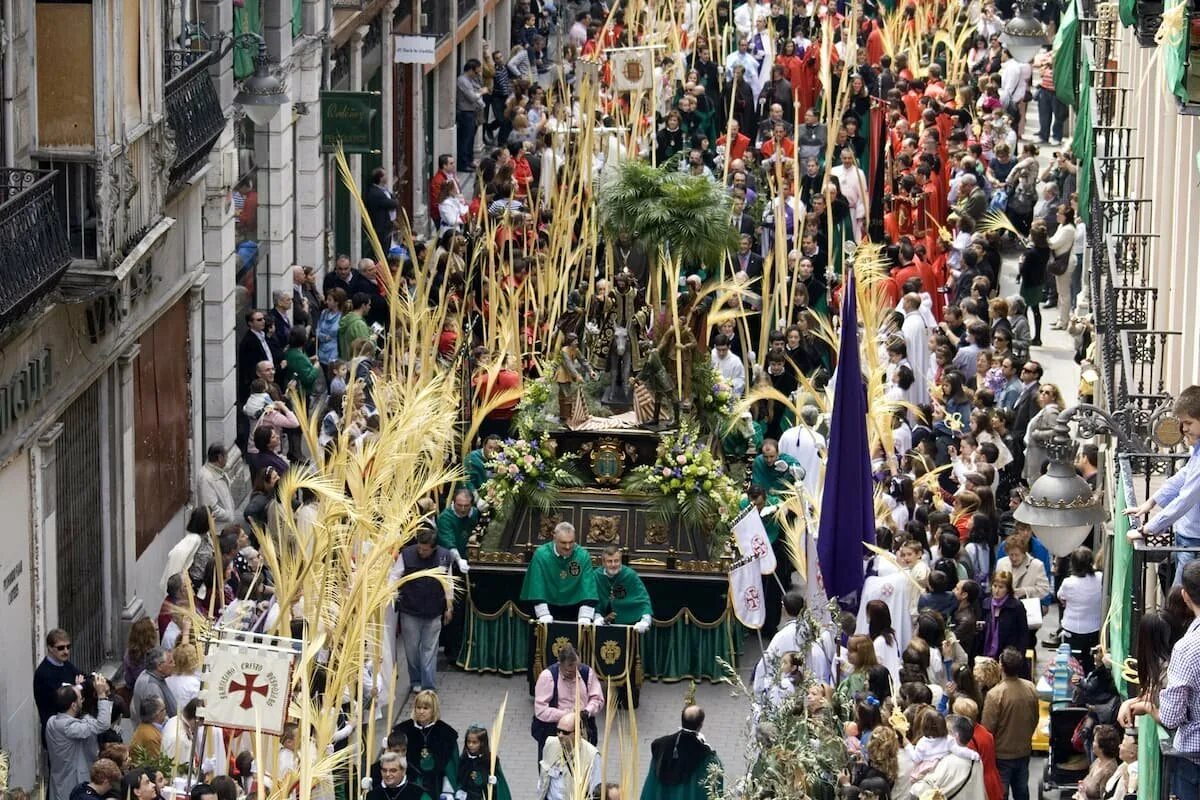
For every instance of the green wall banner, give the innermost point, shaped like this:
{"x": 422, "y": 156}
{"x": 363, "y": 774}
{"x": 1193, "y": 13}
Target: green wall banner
{"x": 349, "y": 118}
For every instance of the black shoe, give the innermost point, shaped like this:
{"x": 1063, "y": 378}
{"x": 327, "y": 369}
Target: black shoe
{"x": 1052, "y": 643}
{"x": 1035, "y": 343}
{"x": 1050, "y": 303}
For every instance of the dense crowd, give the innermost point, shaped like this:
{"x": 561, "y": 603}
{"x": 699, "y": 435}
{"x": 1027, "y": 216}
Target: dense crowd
{"x": 932, "y": 684}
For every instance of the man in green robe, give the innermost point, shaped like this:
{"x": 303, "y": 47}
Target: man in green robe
{"x": 456, "y": 524}
{"x": 560, "y": 580}
{"x": 623, "y": 599}
{"x": 680, "y": 763}
{"x": 775, "y": 472}
{"x": 476, "y": 465}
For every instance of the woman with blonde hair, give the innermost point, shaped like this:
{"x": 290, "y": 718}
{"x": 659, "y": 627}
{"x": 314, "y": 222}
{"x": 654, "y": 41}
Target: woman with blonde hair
{"x": 1041, "y": 428}
{"x": 185, "y": 682}
{"x": 432, "y": 746}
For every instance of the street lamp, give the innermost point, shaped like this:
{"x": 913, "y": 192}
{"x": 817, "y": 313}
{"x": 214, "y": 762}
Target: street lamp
{"x": 1061, "y": 507}
{"x": 262, "y": 93}
{"x": 1024, "y": 34}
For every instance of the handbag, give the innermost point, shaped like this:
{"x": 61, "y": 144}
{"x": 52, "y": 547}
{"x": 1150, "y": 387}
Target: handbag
{"x": 1033, "y": 612}
{"x": 1060, "y": 264}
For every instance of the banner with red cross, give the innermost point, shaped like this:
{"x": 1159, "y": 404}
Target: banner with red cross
{"x": 247, "y": 683}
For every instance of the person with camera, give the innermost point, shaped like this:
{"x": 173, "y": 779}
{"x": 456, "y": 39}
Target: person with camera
{"x": 71, "y": 744}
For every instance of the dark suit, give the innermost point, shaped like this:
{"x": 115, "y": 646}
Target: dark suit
{"x": 753, "y": 266}
{"x": 380, "y": 204}
{"x": 356, "y": 283}
{"x": 1024, "y": 410}
{"x": 744, "y": 224}
{"x": 250, "y": 352}
{"x": 283, "y": 329}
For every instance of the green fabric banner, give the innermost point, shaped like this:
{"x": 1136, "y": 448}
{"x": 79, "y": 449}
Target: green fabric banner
{"x": 1121, "y": 590}
{"x": 297, "y": 17}
{"x": 684, "y": 649}
{"x": 1150, "y": 733}
{"x": 1083, "y": 140}
{"x": 1173, "y": 50}
{"x": 1128, "y": 10}
{"x": 246, "y": 19}
{"x": 1066, "y": 56}
{"x": 495, "y": 642}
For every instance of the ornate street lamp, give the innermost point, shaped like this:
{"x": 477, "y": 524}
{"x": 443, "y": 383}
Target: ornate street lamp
{"x": 1024, "y": 34}
{"x": 1061, "y": 506}
{"x": 262, "y": 93}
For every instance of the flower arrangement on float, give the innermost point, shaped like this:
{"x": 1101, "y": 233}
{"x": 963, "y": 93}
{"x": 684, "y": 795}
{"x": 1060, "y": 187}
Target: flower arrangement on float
{"x": 688, "y": 482}
{"x": 527, "y": 471}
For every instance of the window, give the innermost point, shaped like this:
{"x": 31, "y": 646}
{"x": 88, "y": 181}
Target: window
{"x": 65, "y": 97}
{"x": 161, "y": 423}
{"x": 75, "y": 194}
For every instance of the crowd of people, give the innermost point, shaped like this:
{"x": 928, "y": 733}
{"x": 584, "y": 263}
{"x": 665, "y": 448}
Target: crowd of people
{"x": 933, "y": 682}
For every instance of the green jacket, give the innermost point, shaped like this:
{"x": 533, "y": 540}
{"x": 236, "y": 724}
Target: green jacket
{"x": 301, "y": 368}
{"x": 351, "y": 328}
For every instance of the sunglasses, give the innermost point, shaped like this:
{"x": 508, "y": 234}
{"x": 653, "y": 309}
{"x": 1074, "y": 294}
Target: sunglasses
{"x": 61, "y": 647}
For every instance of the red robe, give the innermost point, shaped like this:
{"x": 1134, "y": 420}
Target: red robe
{"x": 875, "y": 47}
{"x": 807, "y": 87}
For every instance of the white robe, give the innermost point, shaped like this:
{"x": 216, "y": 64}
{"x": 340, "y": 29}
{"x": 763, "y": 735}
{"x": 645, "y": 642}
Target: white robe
{"x": 805, "y": 445}
{"x": 854, "y": 188}
{"x": 916, "y": 338}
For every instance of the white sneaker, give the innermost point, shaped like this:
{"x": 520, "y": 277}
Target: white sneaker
{"x": 1055, "y": 142}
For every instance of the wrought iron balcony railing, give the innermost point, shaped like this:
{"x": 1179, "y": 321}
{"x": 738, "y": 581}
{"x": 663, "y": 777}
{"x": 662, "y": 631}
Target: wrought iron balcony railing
{"x": 34, "y": 252}
{"x": 193, "y": 112}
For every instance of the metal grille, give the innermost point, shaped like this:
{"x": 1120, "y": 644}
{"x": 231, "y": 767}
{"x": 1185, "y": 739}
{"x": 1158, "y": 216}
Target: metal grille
{"x": 81, "y": 600}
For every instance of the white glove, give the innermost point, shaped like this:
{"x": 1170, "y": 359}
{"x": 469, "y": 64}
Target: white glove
{"x": 781, "y": 466}
{"x": 767, "y": 511}
{"x": 541, "y": 610}
{"x": 643, "y": 624}
{"x": 598, "y": 619}
{"x": 463, "y": 566}
{"x": 545, "y": 619}
{"x": 482, "y": 505}
{"x": 592, "y": 328}
{"x": 797, "y": 472}
{"x": 460, "y": 795}
{"x": 208, "y": 766}
{"x": 587, "y": 615}
{"x": 365, "y": 784}
{"x": 328, "y": 749}
{"x": 491, "y": 780}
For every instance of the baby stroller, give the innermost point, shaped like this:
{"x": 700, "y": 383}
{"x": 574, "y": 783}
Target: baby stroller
{"x": 1094, "y": 702}
{"x": 1066, "y": 764}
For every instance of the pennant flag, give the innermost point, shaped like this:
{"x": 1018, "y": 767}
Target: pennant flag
{"x": 1083, "y": 139}
{"x": 847, "y": 511}
{"x": 632, "y": 69}
{"x": 1066, "y": 56}
{"x": 746, "y": 592}
{"x": 752, "y": 539}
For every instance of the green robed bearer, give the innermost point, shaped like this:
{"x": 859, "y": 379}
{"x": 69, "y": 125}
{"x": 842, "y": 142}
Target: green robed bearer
{"x": 680, "y": 762}
{"x": 623, "y": 599}
{"x": 560, "y": 580}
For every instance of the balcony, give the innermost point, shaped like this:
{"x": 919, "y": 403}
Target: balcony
{"x": 193, "y": 112}
{"x": 34, "y": 252}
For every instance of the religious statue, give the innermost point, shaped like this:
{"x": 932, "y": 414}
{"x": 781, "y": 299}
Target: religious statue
{"x": 572, "y": 371}
{"x": 618, "y": 341}
{"x": 653, "y": 376}
{"x": 677, "y": 347}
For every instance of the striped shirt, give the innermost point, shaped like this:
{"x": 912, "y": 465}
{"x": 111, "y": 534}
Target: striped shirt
{"x": 1179, "y": 701}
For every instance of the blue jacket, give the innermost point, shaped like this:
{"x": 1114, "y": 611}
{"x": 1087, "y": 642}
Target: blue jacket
{"x": 327, "y": 336}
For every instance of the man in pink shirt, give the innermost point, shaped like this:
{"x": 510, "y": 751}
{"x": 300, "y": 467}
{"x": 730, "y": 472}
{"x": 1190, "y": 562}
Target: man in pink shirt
{"x": 565, "y": 688}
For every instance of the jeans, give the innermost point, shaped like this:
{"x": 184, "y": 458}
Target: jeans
{"x": 1185, "y": 778}
{"x": 420, "y": 636}
{"x": 1014, "y": 774}
{"x": 464, "y": 122}
{"x": 1077, "y": 279}
{"x": 1050, "y": 107}
{"x": 1182, "y": 559}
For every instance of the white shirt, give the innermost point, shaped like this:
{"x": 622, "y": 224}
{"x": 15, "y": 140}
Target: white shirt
{"x": 1011, "y": 88}
{"x": 746, "y": 16}
{"x": 854, "y": 186}
{"x": 1083, "y": 600}
{"x": 732, "y": 370}
{"x": 184, "y": 687}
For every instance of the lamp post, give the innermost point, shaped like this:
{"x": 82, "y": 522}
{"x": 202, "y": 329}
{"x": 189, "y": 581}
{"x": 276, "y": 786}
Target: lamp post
{"x": 262, "y": 93}
{"x": 1024, "y": 34}
{"x": 1061, "y": 506}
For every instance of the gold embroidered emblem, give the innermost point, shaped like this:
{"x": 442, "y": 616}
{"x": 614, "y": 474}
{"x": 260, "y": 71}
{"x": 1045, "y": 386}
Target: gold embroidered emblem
{"x": 610, "y": 652}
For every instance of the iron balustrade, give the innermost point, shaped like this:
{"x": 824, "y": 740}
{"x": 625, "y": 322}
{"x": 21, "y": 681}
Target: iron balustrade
{"x": 194, "y": 114}
{"x": 34, "y": 252}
